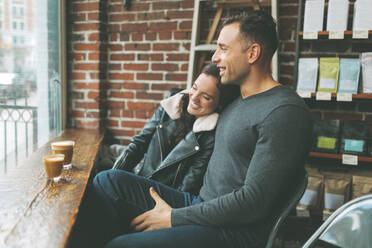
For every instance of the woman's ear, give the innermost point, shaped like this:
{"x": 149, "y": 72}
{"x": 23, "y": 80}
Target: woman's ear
{"x": 254, "y": 53}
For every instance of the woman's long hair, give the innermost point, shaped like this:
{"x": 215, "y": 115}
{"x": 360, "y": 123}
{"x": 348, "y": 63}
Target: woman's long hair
{"x": 186, "y": 121}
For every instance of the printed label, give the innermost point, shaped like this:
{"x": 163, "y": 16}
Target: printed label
{"x": 354, "y": 145}
{"x": 323, "y": 96}
{"x": 336, "y": 35}
{"x": 344, "y": 97}
{"x": 304, "y": 94}
{"x": 310, "y": 35}
{"x": 360, "y": 34}
{"x": 326, "y": 142}
{"x": 349, "y": 159}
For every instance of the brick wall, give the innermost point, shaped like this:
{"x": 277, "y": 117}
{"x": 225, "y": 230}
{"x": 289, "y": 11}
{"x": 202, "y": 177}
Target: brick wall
{"x": 122, "y": 62}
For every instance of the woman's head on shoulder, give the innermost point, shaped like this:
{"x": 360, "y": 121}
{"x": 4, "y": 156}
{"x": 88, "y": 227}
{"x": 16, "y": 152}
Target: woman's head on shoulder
{"x": 207, "y": 95}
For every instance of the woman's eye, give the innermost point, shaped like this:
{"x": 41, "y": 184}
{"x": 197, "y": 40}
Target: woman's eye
{"x": 207, "y": 98}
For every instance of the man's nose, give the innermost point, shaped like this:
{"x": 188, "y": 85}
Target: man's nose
{"x": 215, "y": 57}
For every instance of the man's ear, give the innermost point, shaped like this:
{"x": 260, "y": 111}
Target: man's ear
{"x": 254, "y": 53}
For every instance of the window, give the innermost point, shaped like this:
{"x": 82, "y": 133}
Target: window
{"x": 30, "y": 83}
{"x": 14, "y": 10}
{"x": 21, "y": 11}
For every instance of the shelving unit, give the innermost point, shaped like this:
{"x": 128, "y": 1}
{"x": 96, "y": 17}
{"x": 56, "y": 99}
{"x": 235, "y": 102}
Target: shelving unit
{"x": 354, "y": 96}
{"x": 337, "y": 156}
{"x": 326, "y": 33}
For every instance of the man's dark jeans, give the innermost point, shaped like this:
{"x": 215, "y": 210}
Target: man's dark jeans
{"x": 119, "y": 196}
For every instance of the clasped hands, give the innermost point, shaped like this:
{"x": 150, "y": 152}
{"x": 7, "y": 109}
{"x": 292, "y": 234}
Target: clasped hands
{"x": 157, "y": 218}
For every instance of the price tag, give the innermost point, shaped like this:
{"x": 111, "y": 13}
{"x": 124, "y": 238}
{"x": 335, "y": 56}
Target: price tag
{"x": 323, "y": 96}
{"x": 304, "y": 94}
{"x": 349, "y": 159}
{"x": 360, "y": 34}
{"x": 336, "y": 35}
{"x": 310, "y": 35}
{"x": 344, "y": 97}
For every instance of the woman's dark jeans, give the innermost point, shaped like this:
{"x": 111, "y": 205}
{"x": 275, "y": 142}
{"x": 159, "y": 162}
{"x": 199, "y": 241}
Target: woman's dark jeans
{"x": 117, "y": 197}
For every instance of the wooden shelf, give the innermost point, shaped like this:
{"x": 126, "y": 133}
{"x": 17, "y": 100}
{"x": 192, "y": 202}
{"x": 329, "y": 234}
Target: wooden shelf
{"x": 355, "y": 96}
{"x": 336, "y": 156}
{"x": 326, "y": 33}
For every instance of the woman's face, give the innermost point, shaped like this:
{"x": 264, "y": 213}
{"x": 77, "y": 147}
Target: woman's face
{"x": 203, "y": 96}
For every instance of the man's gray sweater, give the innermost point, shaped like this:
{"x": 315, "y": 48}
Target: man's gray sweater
{"x": 261, "y": 145}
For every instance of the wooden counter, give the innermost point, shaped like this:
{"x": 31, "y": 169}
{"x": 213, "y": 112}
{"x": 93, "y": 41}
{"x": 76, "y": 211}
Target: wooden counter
{"x": 32, "y": 214}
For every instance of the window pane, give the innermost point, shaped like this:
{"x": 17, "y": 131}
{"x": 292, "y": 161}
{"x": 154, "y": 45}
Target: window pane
{"x": 30, "y": 89}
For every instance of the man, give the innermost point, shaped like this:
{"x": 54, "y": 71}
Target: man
{"x": 262, "y": 140}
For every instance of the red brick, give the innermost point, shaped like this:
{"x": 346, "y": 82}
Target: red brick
{"x": 78, "y": 76}
{"x": 137, "y": 47}
{"x": 113, "y": 123}
{"x": 86, "y": 47}
{"x": 141, "y": 114}
{"x": 149, "y": 76}
{"x": 150, "y": 16}
{"x": 116, "y": 47}
{"x": 187, "y": 4}
{"x": 93, "y": 95}
{"x": 93, "y": 37}
{"x": 134, "y": 27}
{"x": 92, "y": 114}
{"x": 114, "y": 67}
{"x": 93, "y": 56}
{"x": 86, "y": 27}
{"x": 127, "y": 114}
{"x": 176, "y": 77}
{"x": 114, "y": 28}
{"x": 116, "y": 8}
{"x": 90, "y": 86}
{"x": 121, "y": 132}
{"x": 186, "y": 25}
{"x": 166, "y": 47}
{"x": 87, "y": 124}
{"x": 76, "y": 113}
{"x": 163, "y": 26}
{"x": 113, "y": 37}
{"x": 93, "y": 16}
{"x": 136, "y": 67}
{"x": 96, "y": 75}
{"x": 87, "y": 105}
{"x": 121, "y": 94}
{"x": 115, "y": 104}
{"x": 140, "y": 7}
{"x": 182, "y": 35}
{"x": 87, "y": 67}
{"x": 137, "y": 37}
{"x": 180, "y": 14}
{"x": 78, "y": 17}
{"x": 114, "y": 112}
{"x": 121, "y": 76}
{"x": 150, "y": 36}
{"x": 150, "y": 96}
{"x": 165, "y": 36}
{"x": 79, "y": 56}
{"x": 166, "y": 87}
{"x": 140, "y": 105}
{"x": 122, "y": 57}
{"x": 165, "y": 5}
{"x": 77, "y": 95}
{"x": 135, "y": 86}
{"x": 186, "y": 46}
{"x": 122, "y": 17}
{"x": 135, "y": 124}
{"x": 177, "y": 57}
{"x": 288, "y": 23}
{"x": 150, "y": 57}
{"x": 112, "y": 85}
{"x": 164, "y": 67}
{"x": 185, "y": 67}
{"x": 77, "y": 7}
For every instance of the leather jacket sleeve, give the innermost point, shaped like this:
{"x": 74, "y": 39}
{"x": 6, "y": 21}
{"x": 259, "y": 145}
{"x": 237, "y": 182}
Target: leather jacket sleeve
{"x": 197, "y": 164}
{"x": 135, "y": 151}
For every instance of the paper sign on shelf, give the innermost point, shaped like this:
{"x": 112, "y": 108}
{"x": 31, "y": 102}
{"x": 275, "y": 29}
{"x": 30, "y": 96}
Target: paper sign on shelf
{"x": 304, "y": 94}
{"x": 336, "y": 35}
{"x": 360, "y": 34}
{"x": 344, "y": 97}
{"x": 349, "y": 159}
{"x": 323, "y": 96}
{"x": 310, "y": 35}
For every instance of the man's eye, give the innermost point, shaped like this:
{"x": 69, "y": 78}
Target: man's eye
{"x": 207, "y": 98}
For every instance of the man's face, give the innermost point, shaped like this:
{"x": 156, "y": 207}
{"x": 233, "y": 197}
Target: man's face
{"x": 231, "y": 56}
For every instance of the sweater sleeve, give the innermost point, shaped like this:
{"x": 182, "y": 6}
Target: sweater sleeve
{"x": 283, "y": 142}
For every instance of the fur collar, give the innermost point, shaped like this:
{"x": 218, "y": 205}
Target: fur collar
{"x": 171, "y": 105}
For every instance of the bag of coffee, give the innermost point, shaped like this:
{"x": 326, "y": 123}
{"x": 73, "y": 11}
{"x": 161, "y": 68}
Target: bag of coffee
{"x": 336, "y": 192}
{"x": 307, "y": 74}
{"x": 326, "y": 136}
{"x": 311, "y": 200}
{"x": 361, "y": 186}
{"x": 366, "y": 61}
{"x": 349, "y": 76}
{"x": 328, "y": 74}
{"x": 354, "y": 137}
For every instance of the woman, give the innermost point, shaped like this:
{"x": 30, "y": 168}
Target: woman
{"x": 175, "y": 145}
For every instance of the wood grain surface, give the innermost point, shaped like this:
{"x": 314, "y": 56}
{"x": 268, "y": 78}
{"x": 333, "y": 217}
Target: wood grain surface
{"x": 34, "y": 214}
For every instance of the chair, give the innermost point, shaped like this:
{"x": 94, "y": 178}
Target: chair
{"x": 285, "y": 210}
{"x": 348, "y": 227}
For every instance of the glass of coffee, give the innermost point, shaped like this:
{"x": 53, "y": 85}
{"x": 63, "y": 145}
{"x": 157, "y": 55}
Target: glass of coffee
{"x": 64, "y": 147}
{"x": 53, "y": 166}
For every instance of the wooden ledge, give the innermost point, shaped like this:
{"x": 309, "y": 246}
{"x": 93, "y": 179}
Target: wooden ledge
{"x": 32, "y": 214}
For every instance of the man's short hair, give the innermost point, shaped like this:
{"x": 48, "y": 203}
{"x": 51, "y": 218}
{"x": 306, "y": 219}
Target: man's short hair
{"x": 259, "y": 27}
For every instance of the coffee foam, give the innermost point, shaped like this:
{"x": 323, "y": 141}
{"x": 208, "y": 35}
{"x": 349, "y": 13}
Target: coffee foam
{"x": 63, "y": 144}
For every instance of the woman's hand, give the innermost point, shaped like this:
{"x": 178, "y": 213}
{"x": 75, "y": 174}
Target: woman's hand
{"x": 157, "y": 218}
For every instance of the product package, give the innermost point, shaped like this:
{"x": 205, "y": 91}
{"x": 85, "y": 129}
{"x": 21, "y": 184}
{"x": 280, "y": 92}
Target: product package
{"x": 361, "y": 186}
{"x": 366, "y": 62}
{"x": 349, "y": 76}
{"x": 314, "y": 15}
{"x": 336, "y": 192}
{"x": 362, "y": 18}
{"x": 328, "y": 74}
{"x": 311, "y": 200}
{"x": 307, "y": 74}
{"x": 326, "y": 136}
{"x": 354, "y": 134}
{"x": 337, "y": 15}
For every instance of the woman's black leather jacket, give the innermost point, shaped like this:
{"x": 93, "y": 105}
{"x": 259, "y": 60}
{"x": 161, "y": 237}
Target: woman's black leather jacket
{"x": 181, "y": 167}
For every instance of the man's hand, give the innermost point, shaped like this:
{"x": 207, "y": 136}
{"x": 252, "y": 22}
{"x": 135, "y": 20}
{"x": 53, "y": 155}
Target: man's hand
{"x": 157, "y": 218}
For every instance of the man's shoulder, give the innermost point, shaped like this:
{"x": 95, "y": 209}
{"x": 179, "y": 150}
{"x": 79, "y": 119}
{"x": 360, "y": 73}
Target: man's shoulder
{"x": 284, "y": 95}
